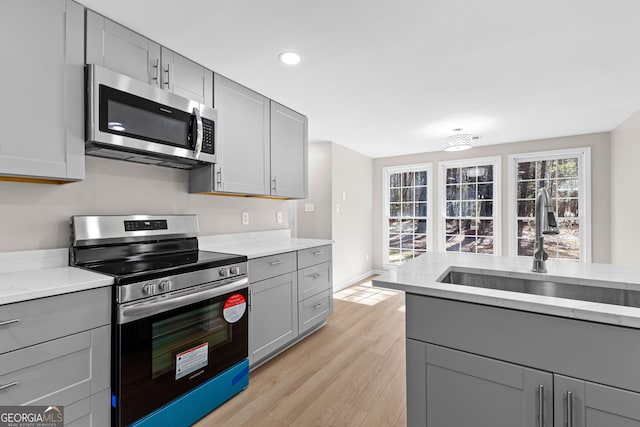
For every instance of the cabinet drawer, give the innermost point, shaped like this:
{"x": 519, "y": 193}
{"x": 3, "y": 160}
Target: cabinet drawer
{"x": 45, "y": 369}
{"x": 313, "y": 256}
{"x": 271, "y": 266}
{"x": 314, "y": 310}
{"x": 44, "y": 319}
{"x": 313, "y": 280}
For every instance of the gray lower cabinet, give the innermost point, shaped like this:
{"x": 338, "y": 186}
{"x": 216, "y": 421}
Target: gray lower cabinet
{"x": 288, "y": 152}
{"x": 56, "y": 351}
{"x": 273, "y": 315}
{"x": 118, "y": 48}
{"x": 469, "y": 364}
{"x": 43, "y": 64}
{"x": 290, "y": 296}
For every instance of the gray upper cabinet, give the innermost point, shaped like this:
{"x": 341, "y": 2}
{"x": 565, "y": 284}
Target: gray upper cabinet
{"x": 243, "y": 139}
{"x": 115, "y": 47}
{"x": 120, "y": 49}
{"x": 288, "y": 152}
{"x": 42, "y": 64}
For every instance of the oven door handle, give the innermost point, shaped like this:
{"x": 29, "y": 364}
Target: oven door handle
{"x": 146, "y": 309}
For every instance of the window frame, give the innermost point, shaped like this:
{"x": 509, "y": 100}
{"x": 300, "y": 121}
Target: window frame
{"x": 584, "y": 196}
{"x": 386, "y": 173}
{"x": 496, "y": 162}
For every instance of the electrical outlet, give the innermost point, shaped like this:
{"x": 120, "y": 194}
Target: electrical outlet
{"x": 344, "y": 195}
{"x": 337, "y": 207}
{"x": 366, "y": 257}
{"x": 279, "y": 217}
{"x": 245, "y": 218}
{"x": 308, "y": 207}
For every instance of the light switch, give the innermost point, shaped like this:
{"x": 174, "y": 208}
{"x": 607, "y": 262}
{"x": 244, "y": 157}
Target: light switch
{"x": 279, "y": 217}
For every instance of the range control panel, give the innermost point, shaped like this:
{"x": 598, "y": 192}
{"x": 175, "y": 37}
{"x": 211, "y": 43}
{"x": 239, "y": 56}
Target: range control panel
{"x": 140, "y": 225}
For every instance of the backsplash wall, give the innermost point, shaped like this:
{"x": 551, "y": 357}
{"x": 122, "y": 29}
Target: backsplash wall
{"x": 36, "y": 216}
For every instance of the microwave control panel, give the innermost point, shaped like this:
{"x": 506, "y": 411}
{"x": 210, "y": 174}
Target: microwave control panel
{"x": 208, "y": 140}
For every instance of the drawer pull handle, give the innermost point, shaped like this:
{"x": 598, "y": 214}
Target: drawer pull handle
{"x": 6, "y": 386}
{"x": 277, "y": 262}
{"x": 318, "y": 252}
{"x": 8, "y": 322}
{"x": 541, "y": 405}
{"x": 317, "y": 306}
{"x": 316, "y": 275}
{"x": 569, "y": 409}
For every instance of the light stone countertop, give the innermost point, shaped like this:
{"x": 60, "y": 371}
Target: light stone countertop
{"x": 258, "y": 244}
{"x": 420, "y": 276}
{"x": 26, "y": 285}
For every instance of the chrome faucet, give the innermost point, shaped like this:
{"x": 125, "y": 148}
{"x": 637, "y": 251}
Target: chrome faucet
{"x": 545, "y": 224}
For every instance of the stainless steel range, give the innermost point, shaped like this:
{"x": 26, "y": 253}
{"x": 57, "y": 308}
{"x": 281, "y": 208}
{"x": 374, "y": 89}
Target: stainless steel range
{"x": 180, "y": 326}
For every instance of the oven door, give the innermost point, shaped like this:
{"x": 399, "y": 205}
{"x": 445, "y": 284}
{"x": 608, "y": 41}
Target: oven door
{"x": 133, "y": 116}
{"x": 168, "y": 345}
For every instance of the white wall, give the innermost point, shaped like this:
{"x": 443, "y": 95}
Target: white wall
{"x": 317, "y": 224}
{"x": 600, "y": 184}
{"x": 36, "y": 216}
{"x": 352, "y": 190}
{"x": 625, "y": 198}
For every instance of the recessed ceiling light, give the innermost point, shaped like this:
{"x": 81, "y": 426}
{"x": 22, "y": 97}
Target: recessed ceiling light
{"x": 290, "y": 58}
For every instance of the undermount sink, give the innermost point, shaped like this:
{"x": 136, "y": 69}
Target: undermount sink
{"x": 588, "y": 291}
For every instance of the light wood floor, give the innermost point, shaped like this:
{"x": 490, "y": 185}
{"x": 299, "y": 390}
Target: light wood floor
{"x": 349, "y": 373}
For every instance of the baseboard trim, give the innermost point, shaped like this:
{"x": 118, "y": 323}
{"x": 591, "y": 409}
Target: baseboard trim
{"x": 343, "y": 285}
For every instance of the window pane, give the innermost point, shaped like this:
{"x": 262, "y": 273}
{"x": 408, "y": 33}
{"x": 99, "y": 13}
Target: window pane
{"x": 468, "y": 192}
{"x": 468, "y": 209}
{"x": 485, "y": 208}
{"x": 394, "y": 195}
{"x": 527, "y": 229}
{"x": 485, "y": 191}
{"x": 468, "y": 227}
{"x": 407, "y": 255}
{"x": 421, "y": 209}
{"x": 486, "y": 175}
{"x": 468, "y": 244}
{"x": 567, "y": 188}
{"x": 395, "y": 180}
{"x": 421, "y": 226}
{"x": 407, "y": 179}
{"x": 407, "y": 241}
{"x": 394, "y": 256}
{"x": 394, "y": 226}
{"x": 453, "y": 192}
{"x": 526, "y": 170}
{"x": 485, "y": 227}
{"x": 526, "y": 208}
{"x": 525, "y": 247}
{"x": 394, "y": 209}
{"x": 469, "y": 174}
{"x": 452, "y": 243}
{"x": 452, "y": 226}
{"x": 546, "y": 169}
{"x": 408, "y": 226}
{"x": 567, "y": 208}
{"x": 420, "y": 242}
{"x": 394, "y": 240}
{"x": 453, "y": 208}
{"x": 568, "y": 168}
{"x": 407, "y": 209}
{"x": 453, "y": 175}
{"x": 421, "y": 194}
{"x": 420, "y": 178}
{"x": 485, "y": 245}
{"x": 407, "y": 194}
{"x": 526, "y": 190}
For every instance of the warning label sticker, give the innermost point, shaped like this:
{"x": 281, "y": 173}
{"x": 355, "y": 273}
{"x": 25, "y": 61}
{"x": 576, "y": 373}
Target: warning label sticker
{"x": 234, "y": 308}
{"x": 191, "y": 360}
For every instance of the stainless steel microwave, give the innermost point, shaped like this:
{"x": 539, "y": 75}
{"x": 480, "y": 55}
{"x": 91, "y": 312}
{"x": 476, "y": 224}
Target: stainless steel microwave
{"x": 131, "y": 120}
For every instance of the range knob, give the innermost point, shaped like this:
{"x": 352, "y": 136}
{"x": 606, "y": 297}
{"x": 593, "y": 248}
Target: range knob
{"x": 149, "y": 289}
{"x": 165, "y": 285}
{"x": 235, "y": 269}
{"x": 224, "y": 272}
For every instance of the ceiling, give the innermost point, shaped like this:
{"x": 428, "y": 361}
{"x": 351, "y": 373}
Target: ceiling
{"x": 390, "y": 78}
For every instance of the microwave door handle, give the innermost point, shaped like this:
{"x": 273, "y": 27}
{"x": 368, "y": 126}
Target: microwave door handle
{"x": 198, "y": 146}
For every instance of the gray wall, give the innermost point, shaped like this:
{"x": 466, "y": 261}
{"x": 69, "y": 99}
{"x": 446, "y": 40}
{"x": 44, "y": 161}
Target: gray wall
{"x": 317, "y": 224}
{"x": 600, "y": 184}
{"x": 625, "y": 202}
{"x": 36, "y": 216}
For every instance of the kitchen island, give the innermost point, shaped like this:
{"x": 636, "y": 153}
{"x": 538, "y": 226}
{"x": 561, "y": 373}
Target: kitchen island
{"x": 491, "y": 357}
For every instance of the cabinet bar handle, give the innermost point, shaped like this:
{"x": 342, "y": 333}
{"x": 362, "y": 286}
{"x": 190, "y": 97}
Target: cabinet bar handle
{"x": 156, "y": 70}
{"x": 315, "y": 275}
{"x": 318, "y": 252}
{"x": 541, "y": 405}
{"x": 6, "y": 386}
{"x": 569, "y": 409}
{"x": 317, "y": 306}
{"x": 168, "y": 82}
{"x": 276, "y": 262}
{"x": 219, "y": 179}
{"x": 8, "y": 322}
{"x": 275, "y": 181}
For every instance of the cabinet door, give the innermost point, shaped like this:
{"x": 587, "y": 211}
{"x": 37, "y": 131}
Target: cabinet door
{"x": 243, "y": 138}
{"x": 593, "y": 405}
{"x": 288, "y": 152}
{"x": 463, "y": 389}
{"x": 120, "y": 49}
{"x": 273, "y": 315}
{"x": 42, "y": 64}
{"x": 186, "y": 78}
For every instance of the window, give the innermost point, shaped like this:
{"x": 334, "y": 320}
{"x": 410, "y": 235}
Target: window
{"x": 407, "y": 212}
{"x": 470, "y": 206}
{"x": 563, "y": 173}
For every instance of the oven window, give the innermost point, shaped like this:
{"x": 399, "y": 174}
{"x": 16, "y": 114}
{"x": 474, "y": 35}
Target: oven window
{"x": 186, "y": 331}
